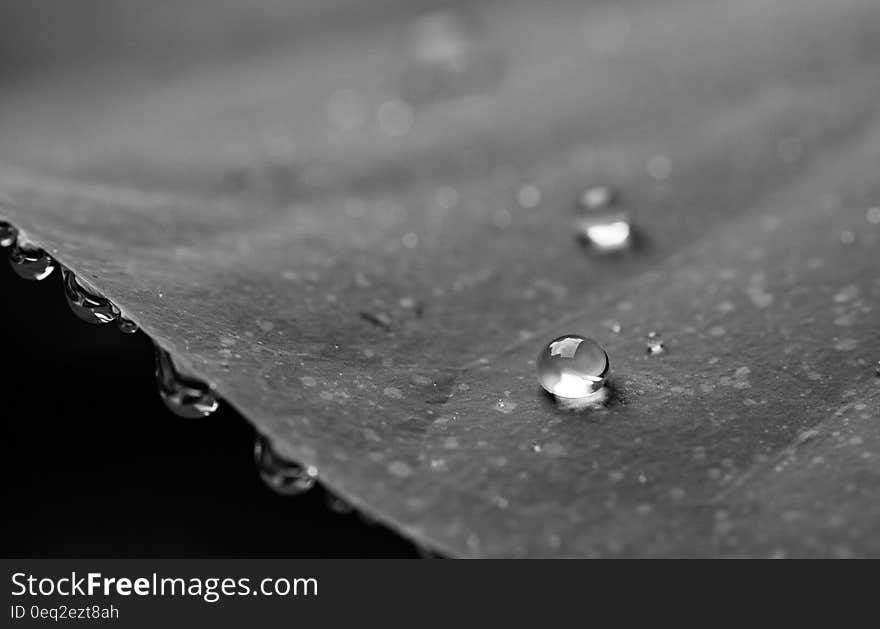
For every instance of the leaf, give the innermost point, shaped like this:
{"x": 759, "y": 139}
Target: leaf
{"x": 287, "y": 274}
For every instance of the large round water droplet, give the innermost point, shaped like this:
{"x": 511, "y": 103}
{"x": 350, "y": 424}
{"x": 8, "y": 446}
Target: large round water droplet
{"x": 8, "y": 234}
{"x": 572, "y": 366}
{"x": 31, "y": 262}
{"x": 185, "y": 396}
{"x": 280, "y": 475}
{"x": 86, "y": 302}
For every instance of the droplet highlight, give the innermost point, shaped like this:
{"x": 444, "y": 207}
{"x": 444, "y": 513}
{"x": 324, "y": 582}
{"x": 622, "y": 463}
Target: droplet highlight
{"x": 279, "y": 474}
{"x": 31, "y": 262}
{"x": 184, "y": 395}
{"x": 572, "y": 367}
{"x": 86, "y": 302}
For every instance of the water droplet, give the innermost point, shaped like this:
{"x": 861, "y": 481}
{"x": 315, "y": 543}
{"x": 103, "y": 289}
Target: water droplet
{"x": 598, "y": 198}
{"x": 338, "y": 505}
{"x": 847, "y": 237}
{"x": 572, "y": 366}
{"x": 347, "y": 110}
{"x": 185, "y": 396}
{"x": 280, "y": 475}
{"x": 529, "y": 197}
{"x": 127, "y": 326}
{"x": 8, "y": 234}
{"x": 86, "y": 302}
{"x": 659, "y": 167}
{"x": 395, "y": 117}
{"x": 448, "y": 57}
{"x": 655, "y": 344}
{"x": 872, "y": 215}
{"x": 31, "y": 262}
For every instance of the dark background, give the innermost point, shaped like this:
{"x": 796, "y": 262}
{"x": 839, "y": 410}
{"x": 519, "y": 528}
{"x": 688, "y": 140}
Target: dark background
{"x": 97, "y": 466}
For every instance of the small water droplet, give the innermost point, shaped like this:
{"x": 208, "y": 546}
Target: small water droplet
{"x": 86, "y": 302}
{"x": 185, "y": 396}
{"x": 281, "y": 475}
{"x": 448, "y": 57}
{"x": 529, "y": 197}
{"x": 338, "y": 505}
{"x": 31, "y": 262}
{"x": 347, "y": 110}
{"x": 847, "y": 237}
{"x": 395, "y": 117}
{"x": 598, "y": 198}
{"x": 659, "y": 167}
{"x": 572, "y": 366}
{"x": 127, "y": 326}
{"x": 8, "y": 234}
{"x": 872, "y": 215}
{"x": 655, "y": 344}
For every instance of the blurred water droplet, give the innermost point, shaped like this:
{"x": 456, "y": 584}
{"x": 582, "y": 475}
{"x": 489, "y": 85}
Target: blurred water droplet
{"x": 448, "y": 57}
{"x": 572, "y": 366}
{"x": 86, "y": 302}
{"x": 31, "y": 262}
{"x": 872, "y": 215}
{"x": 847, "y": 237}
{"x": 127, "y": 326}
{"x": 597, "y": 198}
{"x": 338, "y": 505}
{"x": 659, "y": 167}
{"x": 655, "y": 344}
{"x": 347, "y": 110}
{"x": 395, "y": 117}
{"x": 8, "y": 234}
{"x": 185, "y": 396}
{"x": 280, "y": 475}
{"x": 529, "y": 197}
